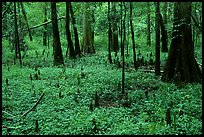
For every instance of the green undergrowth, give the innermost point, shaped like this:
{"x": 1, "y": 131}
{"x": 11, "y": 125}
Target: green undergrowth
{"x": 65, "y": 107}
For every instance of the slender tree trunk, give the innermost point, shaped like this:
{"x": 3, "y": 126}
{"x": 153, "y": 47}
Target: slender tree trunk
{"x": 69, "y": 39}
{"x": 115, "y": 46}
{"x": 77, "y": 47}
{"x": 17, "y": 45}
{"x": 133, "y": 39}
{"x": 181, "y": 64}
{"x": 148, "y": 25}
{"x": 122, "y": 48}
{"x": 121, "y": 28}
{"x": 109, "y": 34}
{"x": 92, "y": 31}
{"x": 164, "y": 34}
{"x": 45, "y": 27}
{"x": 25, "y": 17}
{"x": 57, "y": 50}
{"x": 165, "y": 13}
{"x": 157, "y": 46}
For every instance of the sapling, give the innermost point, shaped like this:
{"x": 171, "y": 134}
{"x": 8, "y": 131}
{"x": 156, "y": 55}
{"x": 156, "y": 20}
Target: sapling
{"x": 168, "y": 116}
{"x": 36, "y": 126}
{"x": 43, "y": 52}
{"x": 60, "y": 94}
{"x": 38, "y": 72}
{"x": 91, "y": 106}
{"x": 96, "y": 99}
{"x": 31, "y": 77}
{"x": 7, "y": 82}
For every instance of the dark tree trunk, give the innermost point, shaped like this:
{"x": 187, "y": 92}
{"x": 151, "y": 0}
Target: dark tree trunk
{"x": 57, "y": 50}
{"x": 77, "y": 47}
{"x": 165, "y": 12}
{"x": 157, "y": 46}
{"x": 109, "y": 35}
{"x": 115, "y": 46}
{"x": 25, "y": 17}
{"x": 16, "y": 40}
{"x": 45, "y": 27}
{"x": 164, "y": 35}
{"x": 92, "y": 31}
{"x": 133, "y": 39}
{"x": 69, "y": 39}
{"x": 121, "y": 28}
{"x": 123, "y": 55}
{"x": 148, "y": 25}
{"x": 181, "y": 64}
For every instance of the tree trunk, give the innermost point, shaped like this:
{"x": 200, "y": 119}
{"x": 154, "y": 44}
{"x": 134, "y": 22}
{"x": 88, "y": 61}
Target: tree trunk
{"x": 92, "y": 29}
{"x": 57, "y": 50}
{"x": 181, "y": 64}
{"x": 45, "y": 27}
{"x": 121, "y": 28}
{"x": 25, "y": 17}
{"x": 133, "y": 39}
{"x": 122, "y": 49}
{"x": 77, "y": 47}
{"x": 115, "y": 46}
{"x": 165, "y": 12}
{"x": 157, "y": 46}
{"x": 69, "y": 39}
{"x": 109, "y": 35}
{"x": 148, "y": 25}
{"x": 87, "y": 46}
{"x": 164, "y": 34}
{"x": 16, "y": 40}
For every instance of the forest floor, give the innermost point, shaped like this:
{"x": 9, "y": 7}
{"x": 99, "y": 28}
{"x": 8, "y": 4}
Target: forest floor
{"x": 69, "y": 90}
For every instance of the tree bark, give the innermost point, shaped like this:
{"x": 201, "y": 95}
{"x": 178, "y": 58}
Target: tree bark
{"x": 68, "y": 33}
{"x": 57, "y": 50}
{"x": 115, "y": 46}
{"x": 165, "y": 12}
{"x": 164, "y": 34}
{"x": 133, "y": 39}
{"x": 148, "y": 25}
{"x": 45, "y": 27}
{"x": 109, "y": 35}
{"x": 181, "y": 65}
{"x": 25, "y": 17}
{"x": 16, "y": 40}
{"x": 157, "y": 46}
{"x": 122, "y": 48}
{"x": 77, "y": 47}
{"x": 87, "y": 46}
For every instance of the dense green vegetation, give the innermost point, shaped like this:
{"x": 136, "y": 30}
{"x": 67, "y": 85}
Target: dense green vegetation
{"x": 70, "y": 89}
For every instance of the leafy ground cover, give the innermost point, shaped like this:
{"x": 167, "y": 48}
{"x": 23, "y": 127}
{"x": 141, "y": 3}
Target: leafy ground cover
{"x": 69, "y": 90}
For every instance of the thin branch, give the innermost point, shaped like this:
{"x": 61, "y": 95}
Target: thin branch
{"x": 196, "y": 23}
{"x": 8, "y": 113}
{"x": 36, "y": 26}
{"x": 6, "y": 10}
{"x": 34, "y": 105}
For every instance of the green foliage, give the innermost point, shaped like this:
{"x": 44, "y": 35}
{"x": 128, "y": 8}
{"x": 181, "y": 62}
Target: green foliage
{"x": 78, "y": 81}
